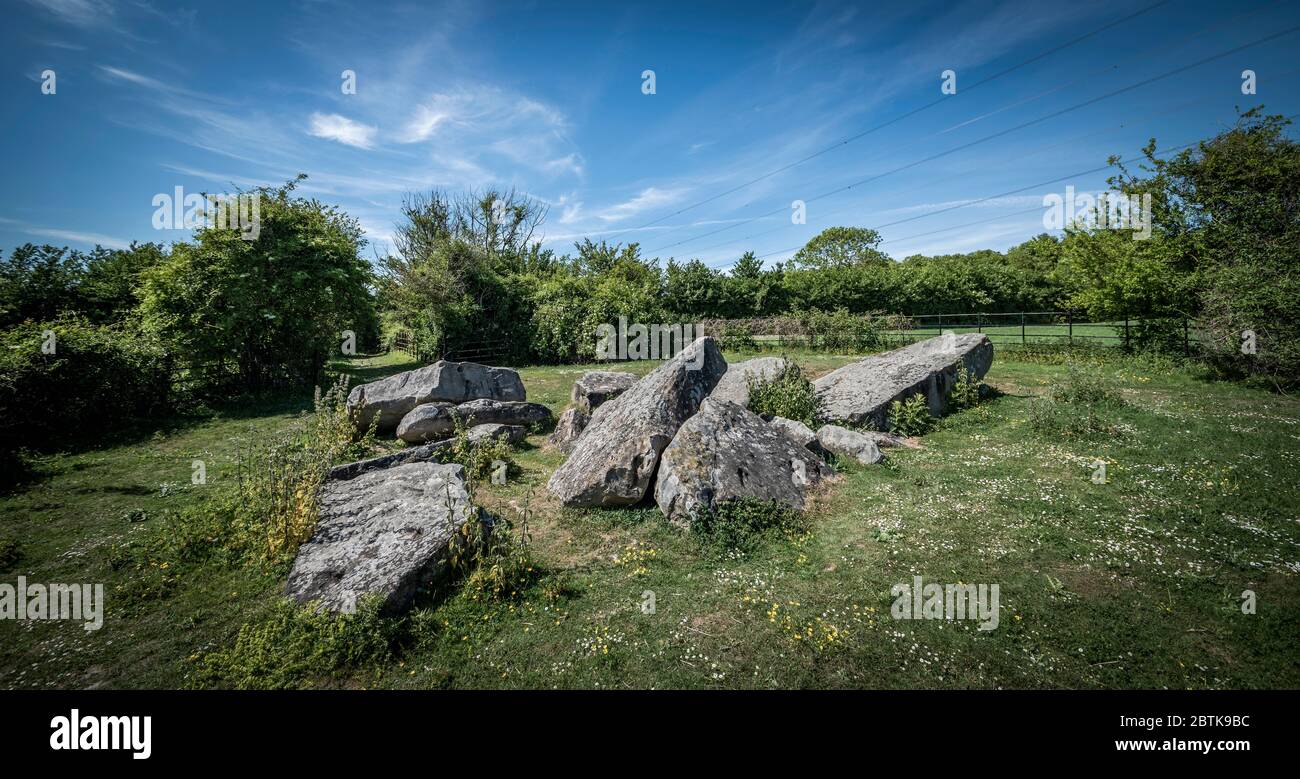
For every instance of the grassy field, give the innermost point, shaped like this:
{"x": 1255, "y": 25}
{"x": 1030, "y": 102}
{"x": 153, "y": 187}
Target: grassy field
{"x": 1135, "y": 582}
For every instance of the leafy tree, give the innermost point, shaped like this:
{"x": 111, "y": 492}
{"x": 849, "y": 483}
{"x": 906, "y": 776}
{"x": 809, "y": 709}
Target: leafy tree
{"x": 38, "y": 283}
{"x": 272, "y": 309}
{"x": 839, "y": 247}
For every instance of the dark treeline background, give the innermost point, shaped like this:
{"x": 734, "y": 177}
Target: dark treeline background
{"x": 223, "y": 316}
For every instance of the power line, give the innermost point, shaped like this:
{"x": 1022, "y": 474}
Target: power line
{"x": 1017, "y": 191}
{"x": 898, "y": 118}
{"x": 999, "y": 134}
{"x": 1018, "y": 155}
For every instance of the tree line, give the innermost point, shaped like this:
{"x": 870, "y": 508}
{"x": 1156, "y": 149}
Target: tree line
{"x": 244, "y": 316}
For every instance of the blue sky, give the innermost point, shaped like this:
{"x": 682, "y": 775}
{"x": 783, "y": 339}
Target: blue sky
{"x": 547, "y": 98}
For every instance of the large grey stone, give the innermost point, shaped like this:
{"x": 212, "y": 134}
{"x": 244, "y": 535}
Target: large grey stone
{"x": 427, "y": 422}
{"x": 385, "y": 532}
{"x": 860, "y": 393}
{"x": 849, "y": 443}
{"x": 597, "y": 387}
{"x": 570, "y": 425}
{"x": 726, "y": 452}
{"x": 431, "y": 421}
{"x": 392, "y": 398}
{"x": 734, "y": 386}
{"x": 615, "y": 458}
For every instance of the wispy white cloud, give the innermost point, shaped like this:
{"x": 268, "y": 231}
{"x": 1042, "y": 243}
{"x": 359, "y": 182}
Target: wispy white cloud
{"x": 71, "y": 236}
{"x": 342, "y": 129}
{"x": 80, "y": 13}
{"x": 648, "y": 199}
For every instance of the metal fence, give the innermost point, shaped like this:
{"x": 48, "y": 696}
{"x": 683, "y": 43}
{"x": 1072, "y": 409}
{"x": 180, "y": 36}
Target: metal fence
{"x": 1065, "y": 328}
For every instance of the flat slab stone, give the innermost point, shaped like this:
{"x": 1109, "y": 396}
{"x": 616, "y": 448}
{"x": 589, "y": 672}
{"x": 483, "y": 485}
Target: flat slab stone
{"x": 860, "y": 393}
{"x": 734, "y": 386}
{"x": 614, "y": 461}
{"x": 384, "y": 532}
{"x": 726, "y": 452}
{"x": 597, "y": 387}
{"x": 392, "y": 398}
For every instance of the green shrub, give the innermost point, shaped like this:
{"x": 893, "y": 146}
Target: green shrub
{"x": 478, "y": 459}
{"x": 98, "y": 378}
{"x": 910, "y": 417}
{"x": 1080, "y": 405}
{"x": 965, "y": 393}
{"x": 788, "y": 394}
{"x": 743, "y": 525}
{"x": 841, "y": 331}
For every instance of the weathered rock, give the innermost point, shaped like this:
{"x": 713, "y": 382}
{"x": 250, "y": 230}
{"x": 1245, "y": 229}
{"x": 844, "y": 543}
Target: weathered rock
{"x": 861, "y": 392}
{"x": 801, "y": 433}
{"x": 392, "y": 398}
{"x": 486, "y": 433}
{"x": 427, "y": 422}
{"x": 385, "y": 532}
{"x": 849, "y": 443}
{"x": 614, "y": 460}
{"x": 570, "y": 425}
{"x": 726, "y": 452}
{"x": 734, "y": 386}
{"x": 597, "y": 387}
{"x": 432, "y": 421}
{"x": 502, "y": 412}
{"x": 885, "y": 440}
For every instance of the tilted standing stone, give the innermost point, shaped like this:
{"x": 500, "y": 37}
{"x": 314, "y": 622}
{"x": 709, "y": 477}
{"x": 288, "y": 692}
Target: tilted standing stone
{"x": 615, "y": 458}
{"x": 861, "y": 392}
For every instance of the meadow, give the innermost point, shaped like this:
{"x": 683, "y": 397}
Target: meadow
{"x": 1133, "y": 580}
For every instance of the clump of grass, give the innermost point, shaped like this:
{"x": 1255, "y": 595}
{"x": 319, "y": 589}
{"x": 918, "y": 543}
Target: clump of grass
{"x": 496, "y": 557}
{"x": 277, "y": 484}
{"x": 1080, "y": 405}
{"x": 910, "y": 417}
{"x": 296, "y": 647}
{"x": 744, "y": 525}
{"x": 788, "y": 394}
{"x": 479, "y": 459}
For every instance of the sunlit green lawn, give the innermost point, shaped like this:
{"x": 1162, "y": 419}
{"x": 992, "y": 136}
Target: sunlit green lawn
{"x": 1136, "y": 582}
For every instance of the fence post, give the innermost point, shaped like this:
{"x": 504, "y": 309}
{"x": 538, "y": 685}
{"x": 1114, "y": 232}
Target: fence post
{"x": 1126, "y": 332}
{"x": 1187, "y": 337}
{"x": 1023, "y": 340}
{"x": 979, "y": 322}
{"x": 1069, "y": 321}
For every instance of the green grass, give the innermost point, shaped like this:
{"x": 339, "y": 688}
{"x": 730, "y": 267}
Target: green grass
{"x": 1136, "y": 582}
